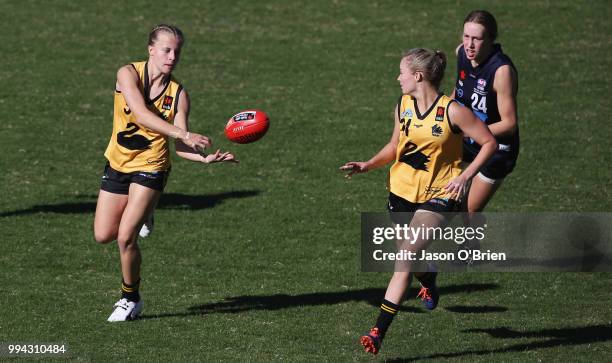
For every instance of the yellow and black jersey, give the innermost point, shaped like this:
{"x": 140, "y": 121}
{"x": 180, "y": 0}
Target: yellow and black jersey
{"x": 133, "y": 147}
{"x": 428, "y": 153}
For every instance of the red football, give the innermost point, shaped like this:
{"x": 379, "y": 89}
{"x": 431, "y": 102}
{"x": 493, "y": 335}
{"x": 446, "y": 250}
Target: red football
{"x": 247, "y": 126}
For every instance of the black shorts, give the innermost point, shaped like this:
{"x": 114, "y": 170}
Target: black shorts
{"x": 398, "y": 204}
{"x": 498, "y": 167}
{"x": 116, "y": 182}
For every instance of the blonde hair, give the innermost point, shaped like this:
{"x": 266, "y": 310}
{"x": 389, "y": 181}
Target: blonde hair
{"x": 170, "y": 29}
{"x": 431, "y": 63}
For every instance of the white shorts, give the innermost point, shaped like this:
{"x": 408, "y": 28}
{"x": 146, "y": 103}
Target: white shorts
{"x": 489, "y": 180}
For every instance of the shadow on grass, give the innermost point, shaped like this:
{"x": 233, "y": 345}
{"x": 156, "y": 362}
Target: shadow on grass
{"x": 167, "y": 201}
{"x": 545, "y": 338}
{"x": 372, "y": 296}
{"x": 478, "y": 309}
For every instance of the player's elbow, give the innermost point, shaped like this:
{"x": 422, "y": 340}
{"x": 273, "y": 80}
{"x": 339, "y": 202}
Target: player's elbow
{"x": 490, "y": 145}
{"x": 510, "y": 126}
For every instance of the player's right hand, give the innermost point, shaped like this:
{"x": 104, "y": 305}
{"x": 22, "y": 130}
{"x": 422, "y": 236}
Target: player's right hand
{"x": 196, "y": 141}
{"x": 354, "y": 167}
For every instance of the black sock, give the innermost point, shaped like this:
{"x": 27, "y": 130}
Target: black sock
{"x": 388, "y": 310}
{"x": 130, "y": 292}
{"x": 426, "y": 279}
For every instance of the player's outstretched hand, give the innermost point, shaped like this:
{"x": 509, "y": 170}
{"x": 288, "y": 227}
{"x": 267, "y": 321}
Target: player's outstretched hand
{"x": 219, "y": 156}
{"x": 354, "y": 167}
{"x": 196, "y": 141}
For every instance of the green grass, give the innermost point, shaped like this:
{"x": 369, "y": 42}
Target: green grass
{"x": 260, "y": 261}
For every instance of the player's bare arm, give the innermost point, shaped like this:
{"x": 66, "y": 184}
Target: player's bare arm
{"x": 469, "y": 124}
{"x": 506, "y": 87}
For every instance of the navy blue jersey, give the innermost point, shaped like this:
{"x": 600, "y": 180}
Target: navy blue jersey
{"x": 474, "y": 89}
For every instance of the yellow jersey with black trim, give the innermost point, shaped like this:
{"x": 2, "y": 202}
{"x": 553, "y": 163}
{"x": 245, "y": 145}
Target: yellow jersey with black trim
{"x": 429, "y": 151}
{"x": 133, "y": 147}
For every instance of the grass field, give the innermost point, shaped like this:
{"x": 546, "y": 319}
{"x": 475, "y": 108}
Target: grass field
{"x": 260, "y": 261}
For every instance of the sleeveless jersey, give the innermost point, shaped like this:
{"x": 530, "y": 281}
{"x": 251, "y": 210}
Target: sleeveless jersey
{"x": 428, "y": 154}
{"x": 133, "y": 147}
{"x": 474, "y": 88}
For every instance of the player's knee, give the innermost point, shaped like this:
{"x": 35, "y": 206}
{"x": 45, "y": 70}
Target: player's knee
{"x": 126, "y": 240}
{"x": 475, "y": 205}
{"x": 104, "y": 236}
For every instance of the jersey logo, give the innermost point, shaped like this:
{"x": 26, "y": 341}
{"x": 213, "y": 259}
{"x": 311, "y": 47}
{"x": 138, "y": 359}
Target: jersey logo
{"x": 408, "y": 113}
{"x": 440, "y": 114}
{"x": 481, "y": 84}
{"x": 127, "y": 110}
{"x": 462, "y": 75}
{"x": 129, "y": 140}
{"x": 416, "y": 159}
{"x": 434, "y": 190}
{"x": 167, "y": 105}
{"x": 436, "y": 130}
{"x": 405, "y": 119}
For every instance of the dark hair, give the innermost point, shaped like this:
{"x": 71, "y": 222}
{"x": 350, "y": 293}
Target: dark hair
{"x": 431, "y": 63}
{"x": 485, "y": 19}
{"x": 171, "y": 29}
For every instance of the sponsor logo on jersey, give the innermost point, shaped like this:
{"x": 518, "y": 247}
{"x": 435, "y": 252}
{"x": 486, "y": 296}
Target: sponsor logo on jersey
{"x": 155, "y": 161}
{"x": 440, "y": 114}
{"x": 127, "y": 110}
{"x": 407, "y": 113}
{"x": 436, "y": 130}
{"x": 460, "y": 92}
{"x": 461, "y": 83}
{"x": 462, "y": 75}
{"x": 481, "y": 84}
{"x": 432, "y": 190}
{"x": 167, "y": 105}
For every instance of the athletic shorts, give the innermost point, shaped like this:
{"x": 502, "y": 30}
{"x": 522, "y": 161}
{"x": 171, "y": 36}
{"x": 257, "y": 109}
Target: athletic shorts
{"x": 498, "y": 167}
{"x": 116, "y": 182}
{"x": 398, "y": 204}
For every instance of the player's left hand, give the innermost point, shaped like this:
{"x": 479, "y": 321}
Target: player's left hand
{"x": 456, "y": 187}
{"x": 219, "y": 156}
